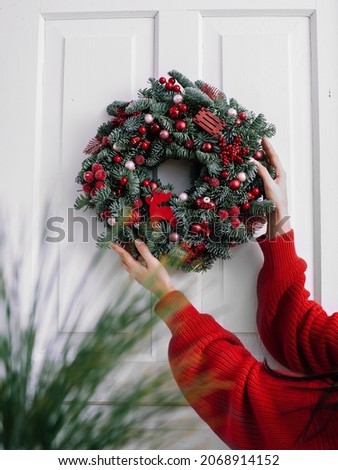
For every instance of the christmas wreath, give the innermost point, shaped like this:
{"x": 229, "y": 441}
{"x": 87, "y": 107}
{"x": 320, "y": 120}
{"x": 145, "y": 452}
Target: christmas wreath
{"x": 175, "y": 118}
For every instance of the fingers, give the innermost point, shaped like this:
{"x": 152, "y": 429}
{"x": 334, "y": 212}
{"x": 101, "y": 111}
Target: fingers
{"x": 126, "y": 257}
{"x": 144, "y": 252}
{"x": 272, "y": 156}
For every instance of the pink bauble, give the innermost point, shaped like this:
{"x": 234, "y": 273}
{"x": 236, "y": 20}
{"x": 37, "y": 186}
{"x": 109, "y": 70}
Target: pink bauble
{"x": 148, "y": 118}
{"x": 183, "y": 197}
{"x": 164, "y": 134}
{"x": 111, "y": 221}
{"x": 116, "y": 147}
{"x": 241, "y": 176}
{"x": 258, "y": 155}
{"x": 177, "y": 99}
{"x": 232, "y": 112}
{"x": 174, "y": 237}
{"x": 130, "y": 165}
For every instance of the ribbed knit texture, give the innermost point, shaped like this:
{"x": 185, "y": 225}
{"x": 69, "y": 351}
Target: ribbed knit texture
{"x": 242, "y": 402}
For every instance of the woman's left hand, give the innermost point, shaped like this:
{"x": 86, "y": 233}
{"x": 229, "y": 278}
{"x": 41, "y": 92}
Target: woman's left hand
{"x": 149, "y": 272}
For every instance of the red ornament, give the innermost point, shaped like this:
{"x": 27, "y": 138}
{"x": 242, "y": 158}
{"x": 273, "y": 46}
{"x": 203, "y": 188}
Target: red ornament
{"x": 86, "y": 188}
{"x": 242, "y": 116}
{"x": 134, "y": 141}
{"x": 223, "y": 214}
{"x": 235, "y": 222}
{"x": 145, "y": 183}
{"x": 162, "y": 80}
{"x": 142, "y": 130}
{"x": 105, "y": 140}
{"x": 234, "y": 184}
{"x": 174, "y": 112}
{"x": 92, "y": 192}
{"x": 96, "y": 167}
{"x": 139, "y": 160}
{"x": 234, "y": 211}
{"x": 145, "y": 145}
{"x": 250, "y": 196}
{"x": 100, "y": 175}
{"x": 138, "y": 203}
{"x": 189, "y": 144}
{"x": 153, "y": 185}
{"x": 239, "y": 122}
{"x": 89, "y": 176}
{"x": 169, "y": 86}
{"x": 123, "y": 181}
{"x": 255, "y": 192}
{"x": 224, "y": 174}
{"x": 117, "y": 159}
{"x": 214, "y": 182}
{"x": 176, "y": 88}
{"x": 246, "y": 206}
{"x": 207, "y": 147}
{"x": 258, "y": 155}
{"x": 172, "y": 80}
{"x": 180, "y": 125}
{"x": 183, "y": 107}
{"x": 196, "y": 228}
{"x": 164, "y": 134}
{"x": 174, "y": 237}
{"x": 99, "y": 185}
{"x": 154, "y": 128}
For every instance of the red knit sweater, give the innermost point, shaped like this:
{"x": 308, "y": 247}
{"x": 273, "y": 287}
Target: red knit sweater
{"x": 242, "y": 402}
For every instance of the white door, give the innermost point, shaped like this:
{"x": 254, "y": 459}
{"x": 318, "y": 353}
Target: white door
{"x": 73, "y": 58}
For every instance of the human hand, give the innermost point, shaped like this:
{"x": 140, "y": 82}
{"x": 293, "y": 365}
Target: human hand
{"x": 276, "y": 190}
{"x": 147, "y": 271}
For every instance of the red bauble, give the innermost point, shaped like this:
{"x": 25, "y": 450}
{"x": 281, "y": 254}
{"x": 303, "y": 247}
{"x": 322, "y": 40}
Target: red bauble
{"x": 123, "y": 181}
{"x": 92, "y": 192}
{"x": 242, "y": 116}
{"x": 169, "y": 86}
{"x": 145, "y": 145}
{"x": 250, "y": 196}
{"x": 239, "y": 122}
{"x": 180, "y": 125}
{"x": 162, "y": 80}
{"x": 145, "y": 183}
{"x": 224, "y": 174}
{"x": 207, "y": 147}
{"x": 172, "y": 80}
{"x": 189, "y": 144}
{"x": 235, "y": 222}
{"x": 117, "y": 159}
{"x": 258, "y": 155}
{"x": 183, "y": 107}
{"x": 176, "y": 88}
{"x": 138, "y": 203}
{"x": 139, "y": 160}
{"x": 89, "y": 176}
{"x": 255, "y": 192}
{"x": 223, "y": 214}
{"x": 174, "y": 112}
{"x": 196, "y": 228}
{"x": 86, "y": 188}
{"x": 164, "y": 134}
{"x": 154, "y": 128}
{"x": 96, "y": 167}
{"x": 246, "y": 206}
{"x": 99, "y": 185}
{"x": 234, "y": 184}
{"x": 214, "y": 182}
{"x": 100, "y": 175}
{"x": 105, "y": 140}
{"x": 153, "y": 185}
{"x": 142, "y": 130}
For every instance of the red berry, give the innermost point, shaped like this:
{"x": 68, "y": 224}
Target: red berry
{"x": 183, "y": 107}
{"x": 176, "y": 88}
{"x": 117, "y": 159}
{"x": 145, "y": 145}
{"x": 234, "y": 210}
{"x": 223, "y": 214}
{"x": 138, "y": 203}
{"x": 123, "y": 181}
{"x": 96, "y": 167}
{"x": 224, "y": 174}
{"x": 86, "y": 188}
{"x": 89, "y": 176}
{"x": 169, "y": 86}
{"x": 155, "y": 128}
{"x": 101, "y": 175}
{"x": 250, "y": 196}
{"x": 172, "y": 80}
{"x": 245, "y": 206}
{"x": 189, "y": 144}
{"x": 162, "y": 80}
{"x": 234, "y": 184}
{"x": 145, "y": 183}
{"x": 92, "y": 192}
{"x": 242, "y": 116}
{"x": 99, "y": 185}
{"x": 235, "y": 222}
{"x": 207, "y": 147}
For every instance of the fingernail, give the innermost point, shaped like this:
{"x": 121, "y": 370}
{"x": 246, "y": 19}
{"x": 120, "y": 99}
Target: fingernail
{"x": 137, "y": 241}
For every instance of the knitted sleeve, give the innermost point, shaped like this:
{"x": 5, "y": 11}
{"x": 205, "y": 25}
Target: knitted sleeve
{"x": 295, "y": 330}
{"x": 211, "y": 367}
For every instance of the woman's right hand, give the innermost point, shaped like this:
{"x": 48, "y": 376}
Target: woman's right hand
{"x": 275, "y": 189}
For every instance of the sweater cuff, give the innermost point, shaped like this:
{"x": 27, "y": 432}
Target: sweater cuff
{"x": 280, "y": 252}
{"x": 174, "y": 308}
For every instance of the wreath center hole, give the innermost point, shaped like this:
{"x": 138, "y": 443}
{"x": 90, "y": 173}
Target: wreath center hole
{"x": 177, "y": 173}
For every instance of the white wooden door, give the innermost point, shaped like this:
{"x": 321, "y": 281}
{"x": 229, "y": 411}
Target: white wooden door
{"x": 73, "y": 58}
